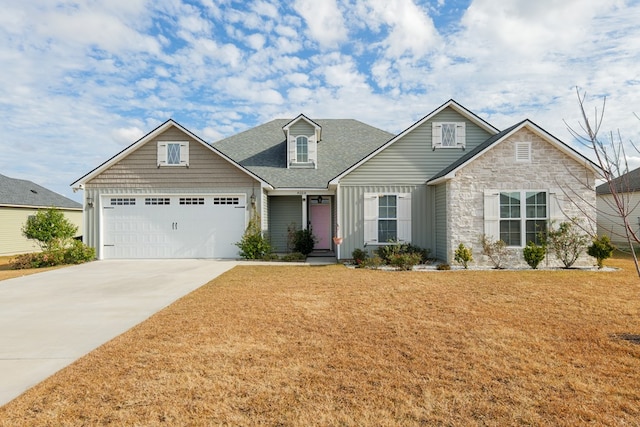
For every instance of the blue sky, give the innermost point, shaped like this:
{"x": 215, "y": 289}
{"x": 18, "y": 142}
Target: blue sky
{"x": 81, "y": 80}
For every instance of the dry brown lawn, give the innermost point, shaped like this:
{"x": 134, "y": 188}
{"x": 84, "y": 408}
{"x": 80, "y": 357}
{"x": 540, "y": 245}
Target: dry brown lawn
{"x": 329, "y": 346}
{"x": 7, "y": 273}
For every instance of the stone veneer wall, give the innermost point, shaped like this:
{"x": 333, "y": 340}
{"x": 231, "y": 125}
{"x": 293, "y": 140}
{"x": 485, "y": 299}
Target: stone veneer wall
{"x": 550, "y": 170}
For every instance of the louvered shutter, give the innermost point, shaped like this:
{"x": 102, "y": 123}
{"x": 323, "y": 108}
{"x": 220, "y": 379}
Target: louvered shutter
{"x": 370, "y": 218}
{"x": 460, "y": 135}
{"x": 292, "y": 150}
{"x": 492, "y": 214}
{"x": 184, "y": 153}
{"x": 312, "y": 150}
{"x": 162, "y": 153}
{"x": 436, "y": 135}
{"x": 404, "y": 217}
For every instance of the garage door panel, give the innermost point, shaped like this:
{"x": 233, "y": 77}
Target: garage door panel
{"x": 181, "y": 227}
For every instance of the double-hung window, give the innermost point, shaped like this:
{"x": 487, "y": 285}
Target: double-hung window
{"x": 387, "y": 218}
{"x": 302, "y": 149}
{"x": 523, "y": 217}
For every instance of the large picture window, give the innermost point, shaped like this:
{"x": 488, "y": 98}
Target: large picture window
{"x": 523, "y": 217}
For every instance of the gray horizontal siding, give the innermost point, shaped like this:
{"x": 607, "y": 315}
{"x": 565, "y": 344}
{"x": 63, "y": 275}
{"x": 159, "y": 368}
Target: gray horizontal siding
{"x": 351, "y": 220}
{"x": 411, "y": 159}
{"x": 301, "y": 127}
{"x": 140, "y": 169}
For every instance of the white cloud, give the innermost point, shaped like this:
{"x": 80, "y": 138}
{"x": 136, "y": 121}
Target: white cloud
{"x": 324, "y": 20}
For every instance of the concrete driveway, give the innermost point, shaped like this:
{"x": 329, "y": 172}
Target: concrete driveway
{"x": 50, "y": 319}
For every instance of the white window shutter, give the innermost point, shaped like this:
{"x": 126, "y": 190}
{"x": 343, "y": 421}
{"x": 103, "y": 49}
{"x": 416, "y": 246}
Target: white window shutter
{"x": 404, "y": 217}
{"x": 436, "y": 135}
{"x": 162, "y": 153}
{"x": 184, "y": 153}
{"x": 312, "y": 150}
{"x": 556, "y": 216}
{"x": 370, "y": 218}
{"x": 292, "y": 150}
{"x": 460, "y": 135}
{"x": 492, "y": 214}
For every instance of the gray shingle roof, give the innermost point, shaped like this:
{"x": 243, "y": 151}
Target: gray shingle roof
{"x": 20, "y": 192}
{"x": 262, "y": 150}
{"x": 627, "y": 183}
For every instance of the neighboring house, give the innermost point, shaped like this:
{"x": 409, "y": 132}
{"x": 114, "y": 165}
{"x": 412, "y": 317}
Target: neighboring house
{"x": 20, "y": 199}
{"x": 627, "y": 189}
{"x": 447, "y": 179}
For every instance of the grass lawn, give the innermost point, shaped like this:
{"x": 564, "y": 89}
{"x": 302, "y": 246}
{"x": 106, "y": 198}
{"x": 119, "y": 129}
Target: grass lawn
{"x": 7, "y": 273}
{"x": 298, "y": 346}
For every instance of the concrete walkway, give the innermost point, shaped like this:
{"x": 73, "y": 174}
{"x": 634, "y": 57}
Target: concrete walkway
{"x": 48, "y": 320}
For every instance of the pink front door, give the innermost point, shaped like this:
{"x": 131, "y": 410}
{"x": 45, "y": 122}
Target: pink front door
{"x": 320, "y": 216}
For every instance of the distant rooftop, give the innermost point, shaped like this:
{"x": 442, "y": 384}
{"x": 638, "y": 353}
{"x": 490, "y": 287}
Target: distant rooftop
{"x": 20, "y": 192}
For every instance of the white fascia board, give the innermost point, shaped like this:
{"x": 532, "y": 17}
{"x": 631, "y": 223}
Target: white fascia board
{"x": 301, "y": 192}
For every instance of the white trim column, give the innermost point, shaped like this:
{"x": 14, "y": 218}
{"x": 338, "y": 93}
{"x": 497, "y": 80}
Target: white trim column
{"x": 305, "y": 219}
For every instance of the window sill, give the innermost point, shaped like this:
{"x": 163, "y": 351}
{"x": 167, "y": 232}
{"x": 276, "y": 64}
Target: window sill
{"x": 302, "y": 165}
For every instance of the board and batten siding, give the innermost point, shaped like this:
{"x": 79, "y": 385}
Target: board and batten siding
{"x": 140, "y": 169}
{"x": 411, "y": 159}
{"x": 351, "y": 217}
{"x": 283, "y": 212}
{"x": 12, "y": 219}
{"x": 441, "y": 247}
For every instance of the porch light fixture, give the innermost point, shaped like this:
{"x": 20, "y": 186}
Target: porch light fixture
{"x": 89, "y": 202}
{"x": 319, "y": 200}
{"x": 253, "y": 199}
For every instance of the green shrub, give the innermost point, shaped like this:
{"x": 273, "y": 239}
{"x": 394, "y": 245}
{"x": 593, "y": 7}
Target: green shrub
{"x": 304, "y": 241}
{"x": 254, "y": 245}
{"x": 534, "y": 254}
{"x": 387, "y": 252}
{"x": 359, "y": 256}
{"x": 405, "y": 261}
{"x": 49, "y": 228}
{"x": 443, "y": 267}
{"x": 567, "y": 242}
{"x": 496, "y": 251}
{"x": 270, "y": 257}
{"x": 601, "y": 248}
{"x": 463, "y": 255}
{"x": 76, "y": 253}
{"x": 294, "y": 257}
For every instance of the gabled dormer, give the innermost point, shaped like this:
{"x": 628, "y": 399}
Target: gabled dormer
{"x": 302, "y": 135}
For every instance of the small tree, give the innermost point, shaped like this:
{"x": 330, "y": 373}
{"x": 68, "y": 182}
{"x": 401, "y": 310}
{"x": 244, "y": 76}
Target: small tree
{"x": 49, "y": 228}
{"x": 463, "y": 255}
{"x": 495, "y": 250}
{"x": 567, "y": 242}
{"x": 253, "y": 244}
{"x": 534, "y": 254}
{"x": 601, "y": 248}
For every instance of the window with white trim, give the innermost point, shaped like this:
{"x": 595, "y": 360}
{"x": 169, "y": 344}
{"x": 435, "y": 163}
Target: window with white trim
{"x": 302, "y": 149}
{"x": 173, "y": 153}
{"x": 387, "y": 218}
{"x": 448, "y": 135}
{"x": 523, "y": 217}
{"x": 123, "y": 201}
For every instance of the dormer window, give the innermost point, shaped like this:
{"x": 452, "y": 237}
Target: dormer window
{"x": 302, "y": 149}
{"x": 302, "y": 135}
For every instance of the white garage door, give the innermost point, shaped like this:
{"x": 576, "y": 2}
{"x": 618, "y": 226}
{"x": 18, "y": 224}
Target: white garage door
{"x": 173, "y": 226}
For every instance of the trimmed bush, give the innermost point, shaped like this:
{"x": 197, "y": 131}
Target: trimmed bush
{"x": 463, "y": 255}
{"x": 303, "y": 241}
{"x": 294, "y": 257}
{"x": 601, "y": 248}
{"x": 443, "y": 267}
{"x": 387, "y": 252}
{"x": 567, "y": 242}
{"x": 405, "y": 261}
{"x": 76, "y": 253}
{"x": 534, "y": 254}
